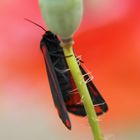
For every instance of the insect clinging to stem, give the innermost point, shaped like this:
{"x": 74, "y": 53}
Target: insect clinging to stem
{"x": 64, "y": 92}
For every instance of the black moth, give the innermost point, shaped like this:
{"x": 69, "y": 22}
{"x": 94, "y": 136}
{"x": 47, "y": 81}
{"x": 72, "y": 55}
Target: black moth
{"x": 65, "y": 95}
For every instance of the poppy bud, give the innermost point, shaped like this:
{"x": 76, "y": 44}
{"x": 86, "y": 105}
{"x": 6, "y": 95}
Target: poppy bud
{"x": 62, "y": 17}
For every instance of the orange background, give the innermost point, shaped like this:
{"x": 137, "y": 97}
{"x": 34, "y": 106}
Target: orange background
{"x": 109, "y": 42}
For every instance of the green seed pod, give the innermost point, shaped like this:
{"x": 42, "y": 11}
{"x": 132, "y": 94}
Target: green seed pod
{"x": 62, "y": 17}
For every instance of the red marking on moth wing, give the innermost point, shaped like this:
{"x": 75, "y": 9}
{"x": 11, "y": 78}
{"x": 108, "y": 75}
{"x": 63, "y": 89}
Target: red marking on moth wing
{"x": 68, "y": 124}
{"x": 98, "y": 109}
{"x": 73, "y": 109}
{"x": 75, "y": 97}
{"x": 93, "y": 91}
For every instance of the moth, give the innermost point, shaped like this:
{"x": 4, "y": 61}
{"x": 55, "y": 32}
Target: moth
{"x": 64, "y": 92}
{"x": 65, "y": 95}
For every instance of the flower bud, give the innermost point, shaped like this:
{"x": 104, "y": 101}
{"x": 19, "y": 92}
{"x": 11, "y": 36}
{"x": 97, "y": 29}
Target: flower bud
{"x": 62, "y": 17}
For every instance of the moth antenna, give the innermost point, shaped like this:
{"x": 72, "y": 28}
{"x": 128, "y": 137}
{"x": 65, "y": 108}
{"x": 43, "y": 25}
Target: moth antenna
{"x": 35, "y": 24}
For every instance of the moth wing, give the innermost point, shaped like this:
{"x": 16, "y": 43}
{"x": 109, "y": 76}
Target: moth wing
{"x": 55, "y": 89}
{"x": 98, "y": 101}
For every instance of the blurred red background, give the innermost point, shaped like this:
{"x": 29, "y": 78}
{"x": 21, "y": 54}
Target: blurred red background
{"x": 108, "y": 40}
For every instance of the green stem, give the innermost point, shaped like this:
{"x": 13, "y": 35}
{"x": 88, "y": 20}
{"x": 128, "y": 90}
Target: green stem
{"x": 84, "y": 93}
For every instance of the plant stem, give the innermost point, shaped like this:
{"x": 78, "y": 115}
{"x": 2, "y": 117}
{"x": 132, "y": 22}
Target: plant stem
{"x": 84, "y": 93}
